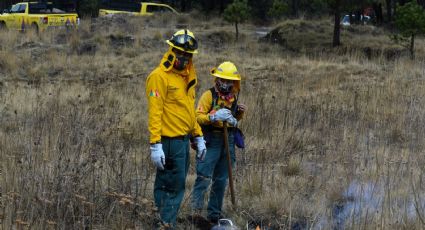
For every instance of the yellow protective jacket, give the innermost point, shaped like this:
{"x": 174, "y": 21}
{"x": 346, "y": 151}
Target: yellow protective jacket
{"x": 171, "y": 100}
{"x": 204, "y": 109}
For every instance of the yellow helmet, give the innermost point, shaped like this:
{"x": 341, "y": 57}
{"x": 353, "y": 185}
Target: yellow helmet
{"x": 226, "y": 70}
{"x": 184, "y": 40}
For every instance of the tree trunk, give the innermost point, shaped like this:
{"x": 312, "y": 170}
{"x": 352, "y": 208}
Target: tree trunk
{"x": 350, "y": 16}
{"x": 220, "y": 6}
{"x": 389, "y": 9}
{"x": 223, "y": 4}
{"x": 183, "y": 6}
{"x": 402, "y": 2}
{"x": 237, "y": 31}
{"x": 336, "y": 38}
{"x": 78, "y": 8}
{"x": 394, "y": 6}
{"x": 358, "y": 17}
{"x": 412, "y": 47}
{"x": 295, "y": 8}
{"x": 377, "y": 9}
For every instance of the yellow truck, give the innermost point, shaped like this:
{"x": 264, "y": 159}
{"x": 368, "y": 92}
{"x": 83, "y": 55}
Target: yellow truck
{"x": 37, "y": 16}
{"x": 136, "y": 9}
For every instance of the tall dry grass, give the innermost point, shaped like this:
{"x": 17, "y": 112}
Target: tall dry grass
{"x": 333, "y": 141}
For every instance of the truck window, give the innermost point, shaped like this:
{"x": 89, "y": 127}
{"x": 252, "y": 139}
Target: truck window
{"x": 157, "y": 9}
{"x": 15, "y": 9}
{"x": 40, "y": 8}
{"x": 121, "y": 5}
{"x": 22, "y": 8}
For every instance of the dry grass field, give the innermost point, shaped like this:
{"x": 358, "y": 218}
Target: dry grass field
{"x": 335, "y": 137}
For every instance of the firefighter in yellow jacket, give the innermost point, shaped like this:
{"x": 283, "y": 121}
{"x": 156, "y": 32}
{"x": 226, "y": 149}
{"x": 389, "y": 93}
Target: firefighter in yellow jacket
{"x": 216, "y": 105}
{"x": 170, "y": 90}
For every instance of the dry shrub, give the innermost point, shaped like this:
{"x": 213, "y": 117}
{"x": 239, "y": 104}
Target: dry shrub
{"x": 8, "y": 62}
{"x": 218, "y": 38}
{"x": 293, "y": 168}
{"x": 183, "y": 20}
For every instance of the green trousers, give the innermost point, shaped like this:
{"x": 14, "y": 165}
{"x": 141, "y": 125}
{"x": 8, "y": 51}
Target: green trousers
{"x": 212, "y": 174}
{"x": 170, "y": 183}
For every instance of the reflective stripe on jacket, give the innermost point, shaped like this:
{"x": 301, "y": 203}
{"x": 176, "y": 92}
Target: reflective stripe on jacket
{"x": 171, "y": 100}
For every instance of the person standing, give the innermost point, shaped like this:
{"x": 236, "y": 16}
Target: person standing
{"x": 216, "y": 105}
{"x": 170, "y": 90}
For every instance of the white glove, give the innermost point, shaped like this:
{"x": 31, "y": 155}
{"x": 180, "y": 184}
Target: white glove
{"x": 201, "y": 150}
{"x": 221, "y": 115}
{"x": 232, "y": 121}
{"x": 157, "y": 156}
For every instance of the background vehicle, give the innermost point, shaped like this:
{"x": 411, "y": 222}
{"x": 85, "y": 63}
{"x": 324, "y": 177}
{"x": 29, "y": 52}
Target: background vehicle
{"x": 364, "y": 19}
{"x": 37, "y": 16}
{"x": 110, "y": 8}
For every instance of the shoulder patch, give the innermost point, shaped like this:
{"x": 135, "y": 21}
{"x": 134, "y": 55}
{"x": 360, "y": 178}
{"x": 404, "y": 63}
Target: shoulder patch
{"x": 154, "y": 93}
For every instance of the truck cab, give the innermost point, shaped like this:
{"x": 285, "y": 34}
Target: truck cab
{"x": 37, "y": 16}
{"x": 11, "y": 16}
{"x": 136, "y": 9}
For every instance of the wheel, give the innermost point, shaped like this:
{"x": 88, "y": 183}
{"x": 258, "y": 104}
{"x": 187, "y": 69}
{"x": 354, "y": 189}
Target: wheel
{"x": 3, "y": 26}
{"x": 34, "y": 28}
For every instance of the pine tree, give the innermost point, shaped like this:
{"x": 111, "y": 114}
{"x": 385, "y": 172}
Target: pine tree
{"x": 410, "y": 21}
{"x": 236, "y": 13}
{"x": 278, "y": 8}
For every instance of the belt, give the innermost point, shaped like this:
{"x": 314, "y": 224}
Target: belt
{"x": 182, "y": 138}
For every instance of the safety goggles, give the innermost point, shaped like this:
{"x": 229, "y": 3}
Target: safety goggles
{"x": 184, "y": 41}
{"x": 180, "y": 53}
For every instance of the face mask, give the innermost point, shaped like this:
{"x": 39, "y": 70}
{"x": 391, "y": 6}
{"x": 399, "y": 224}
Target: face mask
{"x": 181, "y": 62}
{"x": 224, "y": 87}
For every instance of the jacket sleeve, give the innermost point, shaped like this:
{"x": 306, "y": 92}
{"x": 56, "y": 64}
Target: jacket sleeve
{"x": 204, "y": 106}
{"x": 156, "y": 90}
{"x": 197, "y": 131}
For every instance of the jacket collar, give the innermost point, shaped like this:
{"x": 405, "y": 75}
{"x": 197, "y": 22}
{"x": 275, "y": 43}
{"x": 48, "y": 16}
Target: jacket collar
{"x": 167, "y": 63}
